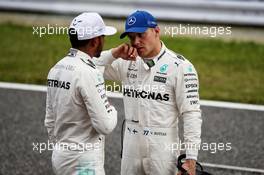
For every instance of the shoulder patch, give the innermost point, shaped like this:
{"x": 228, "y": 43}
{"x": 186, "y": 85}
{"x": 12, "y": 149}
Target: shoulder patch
{"x": 181, "y": 57}
{"x": 177, "y": 58}
{"x": 89, "y": 63}
{"x": 72, "y": 52}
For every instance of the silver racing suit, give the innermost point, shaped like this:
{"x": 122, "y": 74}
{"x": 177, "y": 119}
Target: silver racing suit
{"x": 78, "y": 115}
{"x": 156, "y": 93}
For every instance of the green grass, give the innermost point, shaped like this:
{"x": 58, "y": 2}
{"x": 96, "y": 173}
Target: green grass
{"x": 229, "y": 71}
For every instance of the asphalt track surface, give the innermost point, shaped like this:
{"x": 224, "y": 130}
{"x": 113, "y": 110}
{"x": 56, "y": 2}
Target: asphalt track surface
{"x": 21, "y": 124}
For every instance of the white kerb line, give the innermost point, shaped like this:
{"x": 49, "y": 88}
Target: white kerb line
{"x": 237, "y": 168}
{"x": 26, "y": 87}
{"x": 230, "y": 105}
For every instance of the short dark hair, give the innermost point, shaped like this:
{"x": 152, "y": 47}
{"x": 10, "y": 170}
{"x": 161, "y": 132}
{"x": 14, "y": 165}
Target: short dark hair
{"x": 74, "y": 39}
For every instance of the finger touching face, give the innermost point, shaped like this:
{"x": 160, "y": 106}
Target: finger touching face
{"x": 133, "y": 54}
{"x": 130, "y": 50}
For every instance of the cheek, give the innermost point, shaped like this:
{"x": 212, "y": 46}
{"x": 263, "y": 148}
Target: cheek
{"x": 150, "y": 44}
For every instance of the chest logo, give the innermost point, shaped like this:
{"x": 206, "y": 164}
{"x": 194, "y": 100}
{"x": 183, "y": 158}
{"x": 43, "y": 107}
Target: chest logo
{"x": 190, "y": 69}
{"x": 164, "y": 68}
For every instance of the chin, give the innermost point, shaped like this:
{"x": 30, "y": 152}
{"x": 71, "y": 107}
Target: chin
{"x": 141, "y": 54}
{"x": 97, "y": 55}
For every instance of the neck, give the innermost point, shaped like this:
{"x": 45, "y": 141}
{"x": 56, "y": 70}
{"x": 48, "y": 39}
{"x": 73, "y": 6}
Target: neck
{"x": 87, "y": 51}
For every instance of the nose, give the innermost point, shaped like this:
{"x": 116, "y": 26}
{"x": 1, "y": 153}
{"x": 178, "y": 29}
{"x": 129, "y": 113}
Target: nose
{"x": 136, "y": 41}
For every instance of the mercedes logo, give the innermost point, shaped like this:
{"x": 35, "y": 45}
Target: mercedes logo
{"x": 131, "y": 20}
{"x": 75, "y": 22}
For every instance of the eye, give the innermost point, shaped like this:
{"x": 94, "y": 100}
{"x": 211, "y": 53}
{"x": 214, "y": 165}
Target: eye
{"x": 140, "y": 35}
{"x": 131, "y": 37}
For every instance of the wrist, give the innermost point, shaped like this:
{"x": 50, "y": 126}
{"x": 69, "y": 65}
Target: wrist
{"x": 114, "y": 53}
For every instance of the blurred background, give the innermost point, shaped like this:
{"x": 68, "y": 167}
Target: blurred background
{"x": 224, "y": 39}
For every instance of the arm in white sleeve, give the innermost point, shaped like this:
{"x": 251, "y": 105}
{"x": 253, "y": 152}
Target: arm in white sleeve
{"x": 49, "y": 117}
{"x": 109, "y": 65}
{"x": 192, "y": 133}
{"x": 103, "y": 115}
{"x": 187, "y": 97}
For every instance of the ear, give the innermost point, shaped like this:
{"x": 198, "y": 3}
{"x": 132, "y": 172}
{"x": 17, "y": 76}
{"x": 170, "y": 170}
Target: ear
{"x": 157, "y": 30}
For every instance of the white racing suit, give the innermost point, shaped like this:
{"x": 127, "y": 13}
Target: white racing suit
{"x": 155, "y": 96}
{"x": 78, "y": 115}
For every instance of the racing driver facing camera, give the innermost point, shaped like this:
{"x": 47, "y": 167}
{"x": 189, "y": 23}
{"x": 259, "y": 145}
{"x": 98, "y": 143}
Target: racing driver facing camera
{"x": 151, "y": 116}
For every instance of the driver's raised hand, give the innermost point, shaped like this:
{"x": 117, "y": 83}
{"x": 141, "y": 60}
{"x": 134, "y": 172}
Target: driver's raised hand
{"x": 125, "y": 51}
